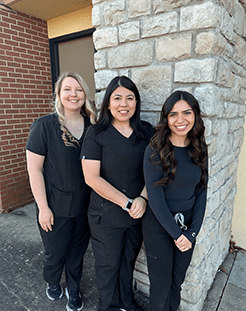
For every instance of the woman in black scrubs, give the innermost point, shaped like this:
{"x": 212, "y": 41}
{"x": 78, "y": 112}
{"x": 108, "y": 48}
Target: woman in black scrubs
{"x": 112, "y": 160}
{"x": 57, "y": 183}
{"x": 175, "y": 171}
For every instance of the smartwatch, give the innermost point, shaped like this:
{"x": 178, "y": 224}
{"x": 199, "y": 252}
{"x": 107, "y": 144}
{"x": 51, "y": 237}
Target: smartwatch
{"x": 128, "y": 205}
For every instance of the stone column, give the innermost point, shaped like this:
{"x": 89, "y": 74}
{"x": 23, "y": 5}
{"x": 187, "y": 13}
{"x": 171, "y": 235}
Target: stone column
{"x": 165, "y": 45}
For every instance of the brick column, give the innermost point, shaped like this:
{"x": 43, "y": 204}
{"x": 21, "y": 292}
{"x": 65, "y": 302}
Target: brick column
{"x": 25, "y": 86}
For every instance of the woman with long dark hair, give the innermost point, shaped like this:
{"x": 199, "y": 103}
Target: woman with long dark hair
{"x": 58, "y": 186}
{"x": 175, "y": 171}
{"x": 112, "y": 160}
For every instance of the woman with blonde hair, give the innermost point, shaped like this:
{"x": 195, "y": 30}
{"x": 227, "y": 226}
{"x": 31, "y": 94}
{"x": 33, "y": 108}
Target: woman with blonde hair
{"x": 58, "y": 186}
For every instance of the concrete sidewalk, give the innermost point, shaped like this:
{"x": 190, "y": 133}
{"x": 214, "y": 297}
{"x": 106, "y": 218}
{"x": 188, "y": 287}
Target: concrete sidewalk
{"x": 22, "y": 287}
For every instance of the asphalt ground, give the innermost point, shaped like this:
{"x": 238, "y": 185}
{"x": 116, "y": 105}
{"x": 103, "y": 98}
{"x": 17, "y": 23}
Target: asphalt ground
{"x": 22, "y": 287}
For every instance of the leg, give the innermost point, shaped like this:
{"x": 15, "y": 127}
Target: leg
{"x": 56, "y": 244}
{"x": 159, "y": 250}
{"x": 80, "y": 236}
{"x": 132, "y": 245}
{"x": 180, "y": 265}
{"x": 107, "y": 244}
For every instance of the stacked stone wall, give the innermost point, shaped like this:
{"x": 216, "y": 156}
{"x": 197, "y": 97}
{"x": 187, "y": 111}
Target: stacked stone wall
{"x": 198, "y": 46}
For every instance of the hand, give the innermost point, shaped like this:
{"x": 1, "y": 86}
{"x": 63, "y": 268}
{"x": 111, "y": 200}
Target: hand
{"x": 183, "y": 244}
{"x": 46, "y": 219}
{"x": 138, "y": 208}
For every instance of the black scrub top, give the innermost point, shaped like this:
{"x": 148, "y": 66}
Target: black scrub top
{"x": 121, "y": 165}
{"x": 67, "y": 193}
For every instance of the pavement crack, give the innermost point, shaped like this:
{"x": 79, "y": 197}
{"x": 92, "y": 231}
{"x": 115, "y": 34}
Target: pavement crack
{"x": 12, "y": 293}
{"x": 228, "y": 276}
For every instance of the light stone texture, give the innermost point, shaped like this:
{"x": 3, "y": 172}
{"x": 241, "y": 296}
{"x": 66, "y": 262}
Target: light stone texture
{"x": 195, "y": 70}
{"x": 168, "y": 5}
{"x": 210, "y": 43}
{"x": 173, "y": 47}
{"x": 199, "y": 47}
{"x": 129, "y": 31}
{"x": 114, "y": 12}
{"x": 105, "y": 37}
{"x": 205, "y": 15}
{"x": 131, "y": 54}
{"x": 139, "y": 8}
{"x": 100, "y": 60}
{"x": 239, "y": 18}
{"x": 96, "y": 16}
{"x": 154, "y": 83}
{"x": 160, "y": 24}
{"x": 208, "y": 98}
{"x": 103, "y": 77}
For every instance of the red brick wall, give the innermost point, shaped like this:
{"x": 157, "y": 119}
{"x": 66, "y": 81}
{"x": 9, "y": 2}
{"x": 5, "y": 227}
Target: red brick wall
{"x": 25, "y": 94}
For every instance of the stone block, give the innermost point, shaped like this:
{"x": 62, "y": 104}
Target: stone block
{"x": 154, "y": 84}
{"x": 210, "y": 43}
{"x": 139, "y": 8}
{"x": 160, "y": 24}
{"x": 103, "y": 77}
{"x": 239, "y": 55}
{"x": 235, "y": 124}
{"x": 229, "y": 110}
{"x": 208, "y": 98}
{"x": 100, "y": 60}
{"x": 229, "y": 5}
{"x": 105, "y": 37}
{"x": 199, "y": 16}
{"x": 239, "y": 18}
{"x": 114, "y": 12}
{"x": 227, "y": 25}
{"x": 151, "y": 117}
{"x": 131, "y": 54}
{"x": 195, "y": 70}
{"x": 129, "y": 31}
{"x": 99, "y": 99}
{"x": 238, "y": 138}
{"x": 171, "y": 48}
{"x": 96, "y": 1}
{"x": 168, "y": 5}
{"x": 96, "y": 16}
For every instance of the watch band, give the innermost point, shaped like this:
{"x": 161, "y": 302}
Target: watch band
{"x": 128, "y": 205}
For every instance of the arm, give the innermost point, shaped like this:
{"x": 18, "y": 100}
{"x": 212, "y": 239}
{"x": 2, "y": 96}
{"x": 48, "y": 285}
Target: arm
{"x": 156, "y": 196}
{"x": 91, "y": 170}
{"x": 34, "y": 167}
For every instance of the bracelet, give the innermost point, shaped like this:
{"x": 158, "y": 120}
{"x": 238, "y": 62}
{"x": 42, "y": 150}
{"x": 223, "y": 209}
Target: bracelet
{"x": 140, "y": 196}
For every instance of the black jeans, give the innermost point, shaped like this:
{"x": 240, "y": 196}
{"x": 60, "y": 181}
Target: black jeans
{"x": 115, "y": 250}
{"x": 167, "y": 265}
{"x": 65, "y": 246}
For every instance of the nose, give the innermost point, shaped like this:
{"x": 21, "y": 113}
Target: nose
{"x": 73, "y": 93}
{"x": 180, "y": 118}
{"x": 123, "y": 102}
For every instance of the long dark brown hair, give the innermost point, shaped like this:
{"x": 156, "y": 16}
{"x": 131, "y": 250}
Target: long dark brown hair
{"x": 161, "y": 144}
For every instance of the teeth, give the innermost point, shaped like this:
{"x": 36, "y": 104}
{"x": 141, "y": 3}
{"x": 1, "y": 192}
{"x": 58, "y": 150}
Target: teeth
{"x": 181, "y": 127}
{"x": 123, "y": 111}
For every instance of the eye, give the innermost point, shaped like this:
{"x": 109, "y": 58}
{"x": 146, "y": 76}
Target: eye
{"x": 172, "y": 114}
{"x": 80, "y": 90}
{"x": 187, "y": 112}
{"x": 117, "y": 98}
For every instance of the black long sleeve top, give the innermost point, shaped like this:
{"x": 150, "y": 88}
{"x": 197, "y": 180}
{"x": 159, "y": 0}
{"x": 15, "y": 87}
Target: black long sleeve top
{"x": 181, "y": 195}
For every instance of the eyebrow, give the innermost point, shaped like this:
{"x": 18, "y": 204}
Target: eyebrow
{"x": 181, "y": 111}
{"x": 130, "y": 95}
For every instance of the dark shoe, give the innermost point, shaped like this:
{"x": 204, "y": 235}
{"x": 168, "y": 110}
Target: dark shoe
{"x": 74, "y": 302}
{"x": 54, "y": 292}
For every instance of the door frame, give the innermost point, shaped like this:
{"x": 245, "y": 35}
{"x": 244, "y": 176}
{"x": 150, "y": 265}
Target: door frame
{"x": 54, "y": 52}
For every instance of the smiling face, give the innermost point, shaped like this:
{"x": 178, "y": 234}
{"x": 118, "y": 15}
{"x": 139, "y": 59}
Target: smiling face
{"x": 122, "y": 105}
{"x": 180, "y": 120}
{"x": 72, "y": 96}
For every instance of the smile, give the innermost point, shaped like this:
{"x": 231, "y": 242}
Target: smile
{"x": 181, "y": 127}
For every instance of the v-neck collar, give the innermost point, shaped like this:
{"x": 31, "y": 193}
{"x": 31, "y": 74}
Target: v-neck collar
{"x": 115, "y": 129}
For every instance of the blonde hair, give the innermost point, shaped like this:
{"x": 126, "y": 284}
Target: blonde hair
{"x": 88, "y": 109}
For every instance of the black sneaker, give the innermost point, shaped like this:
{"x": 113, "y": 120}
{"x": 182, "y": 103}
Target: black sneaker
{"x": 74, "y": 302}
{"x": 54, "y": 292}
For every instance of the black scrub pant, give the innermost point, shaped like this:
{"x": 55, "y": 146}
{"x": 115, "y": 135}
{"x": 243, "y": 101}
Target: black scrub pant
{"x": 167, "y": 265}
{"x": 65, "y": 246}
{"x": 115, "y": 250}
